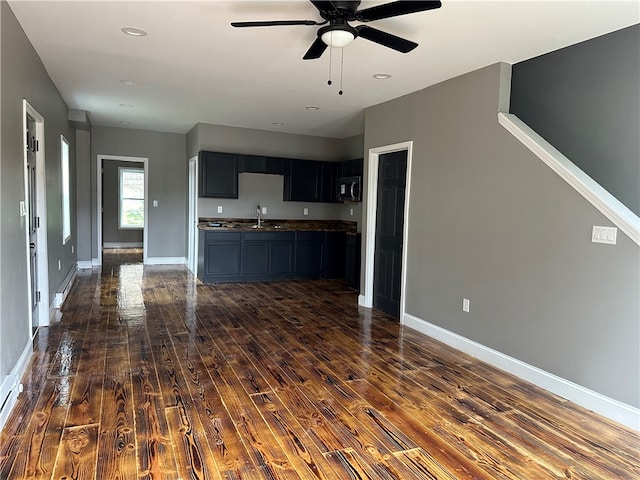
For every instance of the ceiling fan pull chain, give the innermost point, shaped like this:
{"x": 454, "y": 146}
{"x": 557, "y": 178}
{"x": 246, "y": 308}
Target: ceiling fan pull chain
{"x": 329, "y": 82}
{"x": 341, "y": 69}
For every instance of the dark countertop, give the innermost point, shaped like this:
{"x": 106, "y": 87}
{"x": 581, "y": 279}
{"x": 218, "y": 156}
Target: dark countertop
{"x": 271, "y": 225}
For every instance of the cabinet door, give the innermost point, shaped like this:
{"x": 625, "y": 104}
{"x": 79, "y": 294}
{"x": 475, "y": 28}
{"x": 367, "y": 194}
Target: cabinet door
{"x": 256, "y": 255}
{"x": 334, "y": 255}
{"x": 281, "y": 258}
{"x": 218, "y": 175}
{"x": 352, "y": 270}
{"x": 302, "y": 183}
{"x": 309, "y": 254}
{"x": 329, "y": 182}
{"x": 222, "y": 254}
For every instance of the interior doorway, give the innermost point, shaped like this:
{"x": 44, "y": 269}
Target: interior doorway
{"x": 34, "y": 208}
{"x": 400, "y": 225}
{"x": 122, "y": 204}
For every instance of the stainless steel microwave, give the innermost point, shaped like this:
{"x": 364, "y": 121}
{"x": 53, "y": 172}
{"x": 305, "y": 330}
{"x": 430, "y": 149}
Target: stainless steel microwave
{"x": 349, "y": 189}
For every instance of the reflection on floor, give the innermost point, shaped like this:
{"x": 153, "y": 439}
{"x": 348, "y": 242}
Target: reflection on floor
{"x": 150, "y": 374}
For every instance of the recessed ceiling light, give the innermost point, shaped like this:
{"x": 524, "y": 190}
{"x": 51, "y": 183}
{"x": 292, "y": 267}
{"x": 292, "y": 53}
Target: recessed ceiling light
{"x": 126, "y": 105}
{"x": 133, "y": 31}
{"x": 277, "y": 124}
{"x": 312, "y": 108}
{"x": 131, "y": 83}
{"x": 381, "y": 76}
{"x": 124, "y": 122}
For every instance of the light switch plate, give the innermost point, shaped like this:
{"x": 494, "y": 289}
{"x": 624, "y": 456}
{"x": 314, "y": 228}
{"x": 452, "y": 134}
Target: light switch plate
{"x": 305, "y": 211}
{"x": 155, "y": 203}
{"x": 23, "y": 208}
{"x": 264, "y": 210}
{"x": 606, "y": 235}
{"x": 219, "y": 208}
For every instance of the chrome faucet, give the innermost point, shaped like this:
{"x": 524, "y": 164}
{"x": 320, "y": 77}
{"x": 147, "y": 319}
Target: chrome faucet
{"x": 259, "y": 215}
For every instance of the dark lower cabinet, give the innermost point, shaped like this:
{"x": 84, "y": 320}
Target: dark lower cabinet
{"x": 220, "y": 256}
{"x": 334, "y": 255}
{"x": 268, "y": 255}
{"x": 309, "y": 249}
{"x": 352, "y": 273}
{"x": 261, "y": 256}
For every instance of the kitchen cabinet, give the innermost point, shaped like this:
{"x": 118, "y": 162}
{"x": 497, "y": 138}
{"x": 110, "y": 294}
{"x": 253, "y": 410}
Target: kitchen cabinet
{"x": 302, "y": 181}
{"x": 335, "y": 244}
{"x": 309, "y": 254}
{"x": 251, "y": 256}
{"x": 268, "y": 254}
{"x": 218, "y": 175}
{"x": 220, "y": 255}
{"x": 352, "y": 264}
{"x": 261, "y": 164}
{"x": 311, "y": 181}
{"x": 351, "y": 168}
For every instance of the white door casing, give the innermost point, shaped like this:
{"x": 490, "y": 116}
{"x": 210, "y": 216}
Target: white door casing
{"x": 192, "y": 218}
{"x": 98, "y": 211}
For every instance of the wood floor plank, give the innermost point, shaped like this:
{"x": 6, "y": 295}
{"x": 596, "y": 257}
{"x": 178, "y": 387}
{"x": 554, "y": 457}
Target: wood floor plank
{"x": 147, "y": 373}
{"x": 77, "y": 453}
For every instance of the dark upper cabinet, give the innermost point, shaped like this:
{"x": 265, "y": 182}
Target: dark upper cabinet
{"x": 218, "y": 175}
{"x": 351, "y": 168}
{"x": 302, "y": 181}
{"x": 261, "y": 164}
{"x": 328, "y": 182}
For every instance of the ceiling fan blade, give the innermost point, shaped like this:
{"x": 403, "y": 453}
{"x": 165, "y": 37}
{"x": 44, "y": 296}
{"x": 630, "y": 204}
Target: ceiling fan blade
{"x": 274, "y": 23}
{"x": 394, "y": 9}
{"x": 316, "y": 49}
{"x": 323, "y": 6}
{"x": 386, "y": 39}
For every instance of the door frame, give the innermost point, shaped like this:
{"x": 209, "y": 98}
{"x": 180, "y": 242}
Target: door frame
{"x": 373, "y": 162}
{"x": 42, "y": 251}
{"x": 192, "y": 217}
{"x": 98, "y": 211}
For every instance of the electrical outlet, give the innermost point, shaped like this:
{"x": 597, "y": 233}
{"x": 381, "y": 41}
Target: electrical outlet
{"x": 73, "y": 249}
{"x": 305, "y": 211}
{"x": 465, "y": 305}
{"x": 155, "y": 203}
{"x": 351, "y": 211}
{"x": 59, "y": 265}
{"x": 219, "y": 208}
{"x": 264, "y": 210}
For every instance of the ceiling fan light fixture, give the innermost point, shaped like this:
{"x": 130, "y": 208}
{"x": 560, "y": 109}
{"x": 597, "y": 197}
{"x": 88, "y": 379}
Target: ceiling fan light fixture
{"x": 338, "y": 36}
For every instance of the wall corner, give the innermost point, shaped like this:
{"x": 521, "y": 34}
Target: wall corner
{"x": 504, "y": 92}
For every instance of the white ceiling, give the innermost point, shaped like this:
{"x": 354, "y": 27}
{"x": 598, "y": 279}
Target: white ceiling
{"x": 194, "y": 67}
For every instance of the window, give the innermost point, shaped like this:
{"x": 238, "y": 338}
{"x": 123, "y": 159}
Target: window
{"x": 131, "y": 197}
{"x": 66, "y": 194}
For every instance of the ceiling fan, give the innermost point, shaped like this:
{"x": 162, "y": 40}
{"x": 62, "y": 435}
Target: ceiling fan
{"x": 338, "y": 33}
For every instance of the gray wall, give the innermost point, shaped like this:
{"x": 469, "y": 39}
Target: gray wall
{"x": 24, "y": 76}
{"x": 585, "y": 101}
{"x": 167, "y": 183}
{"x": 490, "y": 222}
{"x": 111, "y": 233}
{"x": 268, "y": 189}
{"x": 83, "y": 193}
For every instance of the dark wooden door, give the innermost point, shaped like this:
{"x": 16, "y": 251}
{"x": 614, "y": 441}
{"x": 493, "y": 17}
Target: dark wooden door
{"x": 387, "y": 277}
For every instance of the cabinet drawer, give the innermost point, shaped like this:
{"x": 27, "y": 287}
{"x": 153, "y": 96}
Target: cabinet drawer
{"x": 223, "y": 236}
{"x": 310, "y": 236}
{"x": 269, "y": 236}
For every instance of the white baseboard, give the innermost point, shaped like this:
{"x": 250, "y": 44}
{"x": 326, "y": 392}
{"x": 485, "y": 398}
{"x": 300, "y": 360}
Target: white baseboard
{"x": 85, "y": 264}
{"x": 61, "y": 295}
{"x": 608, "y": 407}
{"x": 165, "y": 261}
{"x": 362, "y": 300}
{"x": 122, "y": 245}
{"x": 95, "y": 262}
{"x": 10, "y": 386}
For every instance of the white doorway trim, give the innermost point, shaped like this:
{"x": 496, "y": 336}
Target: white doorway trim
{"x": 42, "y": 252}
{"x": 192, "y": 217}
{"x": 98, "y": 212}
{"x": 373, "y": 161}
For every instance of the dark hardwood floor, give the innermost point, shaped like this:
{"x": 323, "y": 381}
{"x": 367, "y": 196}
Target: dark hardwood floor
{"x": 149, "y": 375}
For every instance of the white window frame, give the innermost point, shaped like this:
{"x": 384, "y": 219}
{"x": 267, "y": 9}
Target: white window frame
{"x": 65, "y": 173}
{"x": 121, "y": 171}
